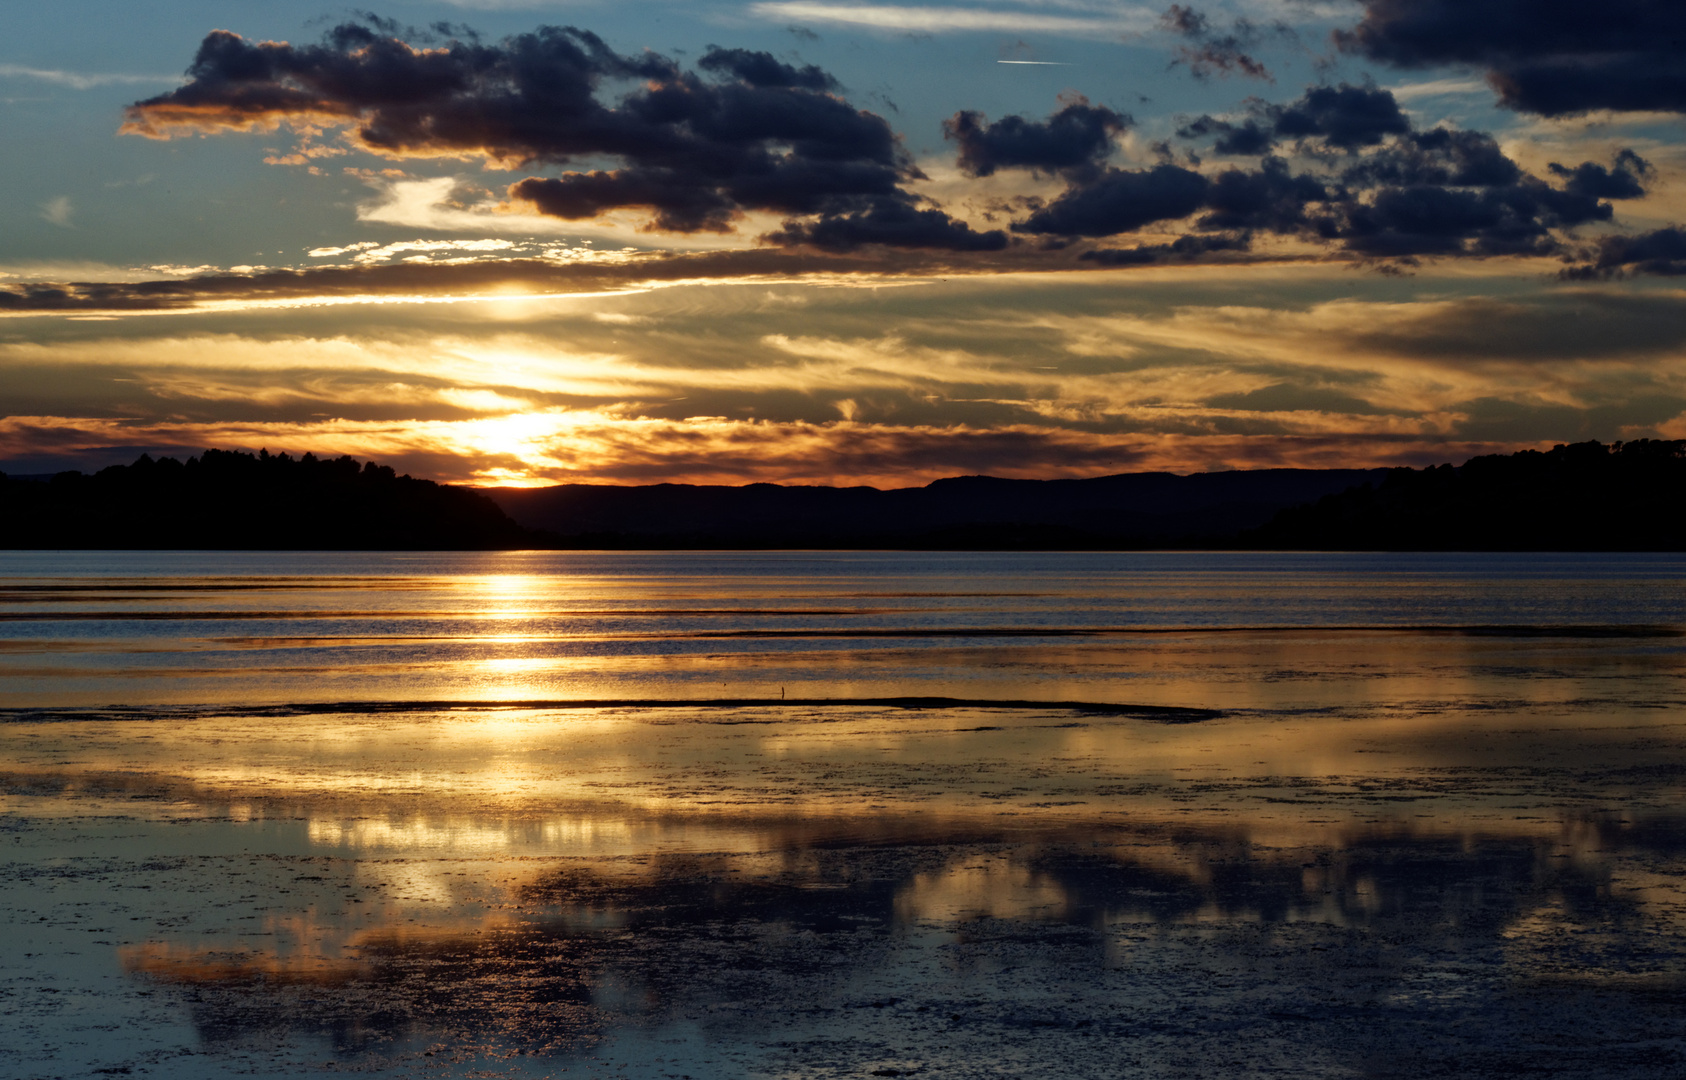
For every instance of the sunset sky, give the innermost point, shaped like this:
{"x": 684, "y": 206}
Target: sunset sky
{"x": 840, "y": 241}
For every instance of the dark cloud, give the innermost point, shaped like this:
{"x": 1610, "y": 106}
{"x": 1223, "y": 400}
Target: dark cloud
{"x": 1224, "y": 56}
{"x": 1183, "y": 248}
{"x": 1410, "y": 215}
{"x": 1621, "y": 181}
{"x": 1552, "y": 325}
{"x": 1270, "y": 198}
{"x": 530, "y": 98}
{"x": 679, "y": 203}
{"x": 762, "y": 69}
{"x": 748, "y": 132}
{"x": 676, "y": 203}
{"x": 433, "y": 33}
{"x": 1551, "y": 57}
{"x": 1400, "y": 193}
{"x": 1248, "y": 139}
{"x": 1345, "y": 117}
{"x": 1185, "y": 21}
{"x": 757, "y": 135}
{"x": 890, "y": 222}
{"x": 1287, "y": 397}
{"x": 1078, "y": 136}
{"x": 1121, "y": 200}
{"x": 1442, "y": 157}
{"x": 1211, "y": 52}
{"x": 1451, "y": 192}
{"x": 1424, "y": 220}
{"x": 1661, "y": 252}
{"x": 1429, "y": 220}
{"x": 1245, "y": 139}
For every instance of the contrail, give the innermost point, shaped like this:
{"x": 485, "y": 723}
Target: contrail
{"x": 1037, "y": 63}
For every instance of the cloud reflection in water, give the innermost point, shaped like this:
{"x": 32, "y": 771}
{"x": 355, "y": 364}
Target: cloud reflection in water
{"x": 1454, "y": 947}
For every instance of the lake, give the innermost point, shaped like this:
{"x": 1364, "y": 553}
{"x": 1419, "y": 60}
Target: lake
{"x": 828, "y": 814}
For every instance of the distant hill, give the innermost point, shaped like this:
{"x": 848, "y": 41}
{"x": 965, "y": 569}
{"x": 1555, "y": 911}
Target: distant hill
{"x": 233, "y": 501}
{"x": 1581, "y": 497}
{"x": 1131, "y": 510}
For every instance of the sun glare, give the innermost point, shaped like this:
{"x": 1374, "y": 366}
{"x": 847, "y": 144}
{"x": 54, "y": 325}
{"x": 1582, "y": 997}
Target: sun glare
{"x": 525, "y": 437}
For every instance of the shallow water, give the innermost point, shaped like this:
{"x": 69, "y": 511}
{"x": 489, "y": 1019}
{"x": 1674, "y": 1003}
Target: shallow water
{"x": 416, "y": 814}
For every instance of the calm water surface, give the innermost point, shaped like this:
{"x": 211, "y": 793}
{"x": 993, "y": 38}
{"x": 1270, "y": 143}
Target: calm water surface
{"x": 289, "y": 814}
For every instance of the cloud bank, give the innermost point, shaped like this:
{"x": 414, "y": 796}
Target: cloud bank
{"x": 1342, "y": 168}
{"x": 696, "y": 150}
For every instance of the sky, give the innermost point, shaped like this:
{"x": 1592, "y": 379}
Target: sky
{"x": 840, "y": 241}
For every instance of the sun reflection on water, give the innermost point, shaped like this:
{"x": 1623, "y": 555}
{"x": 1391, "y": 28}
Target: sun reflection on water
{"x": 468, "y": 837}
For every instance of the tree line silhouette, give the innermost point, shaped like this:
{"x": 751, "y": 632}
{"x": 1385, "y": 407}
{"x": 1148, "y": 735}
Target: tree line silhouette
{"x": 226, "y": 499}
{"x": 1586, "y": 496}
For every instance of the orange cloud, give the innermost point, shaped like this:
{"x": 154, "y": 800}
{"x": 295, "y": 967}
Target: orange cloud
{"x": 592, "y": 448}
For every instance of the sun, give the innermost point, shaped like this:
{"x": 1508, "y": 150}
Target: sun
{"x": 526, "y": 437}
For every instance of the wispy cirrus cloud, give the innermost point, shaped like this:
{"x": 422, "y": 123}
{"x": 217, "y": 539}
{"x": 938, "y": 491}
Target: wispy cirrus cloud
{"x": 937, "y": 20}
{"x": 803, "y": 384}
{"x": 58, "y": 211}
{"x": 563, "y": 447}
{"x": 1434, "y": 88}
{"x": 79, "y": 80}
{"x": 552, "y": 271}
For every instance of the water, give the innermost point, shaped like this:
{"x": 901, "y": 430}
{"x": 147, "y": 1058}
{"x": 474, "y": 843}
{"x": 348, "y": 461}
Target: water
{"x": 670, "y": 814}
{"x": 89, "y": 628}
